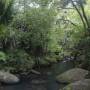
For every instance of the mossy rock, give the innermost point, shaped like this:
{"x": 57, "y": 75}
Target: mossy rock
{"x": 79, "y": 85}
{"x": 72, "y": 75}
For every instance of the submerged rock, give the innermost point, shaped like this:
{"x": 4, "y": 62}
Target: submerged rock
{"x": 39, "y": 81}
{"x": 72, "y": 75}
{"x": 79, "y": 85}
{"x": 8, "y": 78}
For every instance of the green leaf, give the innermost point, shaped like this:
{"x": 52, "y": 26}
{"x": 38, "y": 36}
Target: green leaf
{"x": 2, "y": 56}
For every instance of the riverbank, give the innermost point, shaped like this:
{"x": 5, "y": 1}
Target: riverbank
{"x": 46, "y": 80}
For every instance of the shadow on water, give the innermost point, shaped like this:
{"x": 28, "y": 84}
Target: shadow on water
{"x": 45, "y": 81}
{"x": 57, "y": 69}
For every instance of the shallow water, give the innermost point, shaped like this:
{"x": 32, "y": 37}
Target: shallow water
{"x": 45, "y": 81}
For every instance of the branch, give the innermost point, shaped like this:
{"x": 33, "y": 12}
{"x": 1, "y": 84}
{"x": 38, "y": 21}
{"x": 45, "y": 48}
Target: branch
{"x": 71, "y": 22}
{"x": 35, "y": 72}
{"x": 67, "y": 21}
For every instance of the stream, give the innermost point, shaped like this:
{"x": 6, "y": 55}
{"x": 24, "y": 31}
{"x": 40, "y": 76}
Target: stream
{"x": 45, "y": 81}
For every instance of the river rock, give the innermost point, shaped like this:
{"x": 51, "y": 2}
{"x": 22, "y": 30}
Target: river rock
{"x": 72, "y": 75}
{"x": 78, "y": 85}
{"x": 8, "y": 78}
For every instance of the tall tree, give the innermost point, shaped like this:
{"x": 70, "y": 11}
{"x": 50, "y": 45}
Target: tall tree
{"x": 78, "y": 5}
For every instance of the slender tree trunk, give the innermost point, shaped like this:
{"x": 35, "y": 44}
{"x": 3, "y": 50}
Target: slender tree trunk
{"x": 84, "y": 15}
{"x": 83, "y": 21}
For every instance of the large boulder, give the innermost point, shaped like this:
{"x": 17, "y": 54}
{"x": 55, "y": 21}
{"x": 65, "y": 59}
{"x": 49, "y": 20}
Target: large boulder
{"x": 72, "y": 75}
{"x": 79, "y": 85}
{"x": 8, "y": 78}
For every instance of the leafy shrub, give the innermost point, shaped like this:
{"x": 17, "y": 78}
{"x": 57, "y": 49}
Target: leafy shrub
{"x": 19, "y": 60}
{"x": 83, "y": 53}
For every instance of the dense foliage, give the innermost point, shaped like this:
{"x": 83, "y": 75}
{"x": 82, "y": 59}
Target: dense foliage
{"x": 40, "y": 32}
